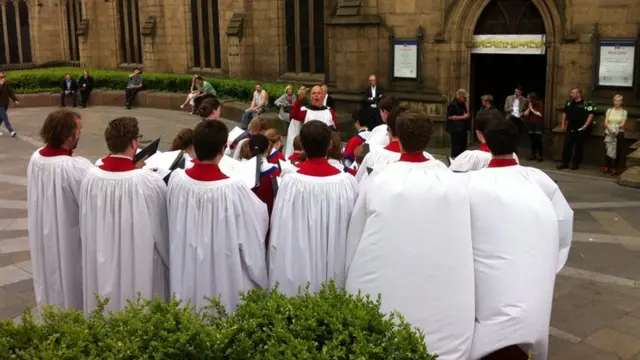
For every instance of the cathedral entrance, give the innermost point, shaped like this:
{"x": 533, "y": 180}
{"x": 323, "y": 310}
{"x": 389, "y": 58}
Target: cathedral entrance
{"x": 509, "y": 50}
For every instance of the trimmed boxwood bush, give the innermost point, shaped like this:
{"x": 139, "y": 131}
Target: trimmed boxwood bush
{"x": 267, "y": 325}
{"x": 49, "y": 80}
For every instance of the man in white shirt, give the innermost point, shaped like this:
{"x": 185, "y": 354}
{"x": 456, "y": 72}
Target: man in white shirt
{"x": 217, "y": 227}
{"x": 410, "y": 238}
{"x": 514, "y": 279}
{"x": 123, "y": 225}
{"x": 372, "y": 97}
{"x": 310, "y": 218}
{"x": 54, "y": 177}
{"x": 258, "y": 106}
{"x": 514, "y": 107}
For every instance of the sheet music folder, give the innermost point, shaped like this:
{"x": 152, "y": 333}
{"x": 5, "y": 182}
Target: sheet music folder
{"x": 148, "y": 151}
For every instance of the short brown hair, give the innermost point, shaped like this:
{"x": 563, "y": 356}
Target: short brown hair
{"x": 297, "y": 144}
{"x": 414, "y": 131}
{"x": 273, "y": 135}
{"x": 359, "y": 154}
{"x": 387, "y": 103}
{"x": 183, "y": 140}
{"x": 258, "y": 125}
{"x": 120, "y": 133}
{"x": 208, "y": 106}
{"x": 316, "y": 138}
{"x": 58, "y": 127}
{"x": 335, "y": 149}
{"x": 392, "y": 118}
{"x": 209, "y": 139}
{"x": 485, "y": 117}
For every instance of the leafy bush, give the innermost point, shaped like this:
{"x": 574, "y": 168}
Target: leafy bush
{"x": 331, "y": 324}
{"x": 49, "y": 80}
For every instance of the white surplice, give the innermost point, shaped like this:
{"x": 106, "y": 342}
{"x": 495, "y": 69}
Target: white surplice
{"x": 410, "y": 240}
{"x": 123, "y": 224}
{"x": 514, "y": 279}
{"x": 217, "y": 234}
{"x": 53, "y": 191}
{"x": 309, "y": 230}
{"x": 471, "y": 160}
{"x": 379, "y": 136}
{"x": 379, "y": 157}
{"x": 324, "y": 115}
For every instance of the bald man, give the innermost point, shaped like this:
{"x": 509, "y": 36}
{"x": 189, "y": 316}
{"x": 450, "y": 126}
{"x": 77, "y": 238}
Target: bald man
{"x": 372, "y": 96}
{"x": 302, "y": 114}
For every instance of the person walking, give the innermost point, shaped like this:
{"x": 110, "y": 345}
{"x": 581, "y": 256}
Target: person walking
{"x": 6, "y": 93}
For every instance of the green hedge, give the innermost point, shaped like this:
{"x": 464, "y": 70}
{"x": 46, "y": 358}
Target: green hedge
{"x": 331, "y": 324}
{"x": 49, "y": 80}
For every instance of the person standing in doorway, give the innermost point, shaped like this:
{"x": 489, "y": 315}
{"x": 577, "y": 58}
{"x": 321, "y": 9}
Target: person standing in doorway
{"x": 458, "y": 123}
{"x": 514, "y": 107}
{"x": 536, "y": 125}
{"x": 576, "y": 121}
{"x": 6, "y": 93}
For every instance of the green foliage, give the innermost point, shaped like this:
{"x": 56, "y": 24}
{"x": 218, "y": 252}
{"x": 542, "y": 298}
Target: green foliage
{"x": 331, "y": 324}
{"x": 49, "y": 80}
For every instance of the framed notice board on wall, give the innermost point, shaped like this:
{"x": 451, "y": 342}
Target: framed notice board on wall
{"x": 405, "y": 58}
{"x": 615, "y": 63}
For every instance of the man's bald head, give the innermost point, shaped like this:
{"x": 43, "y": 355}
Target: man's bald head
{"x": 317, "y": 96}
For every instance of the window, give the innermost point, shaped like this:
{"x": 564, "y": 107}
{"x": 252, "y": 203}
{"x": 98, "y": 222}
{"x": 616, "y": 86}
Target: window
{"x": 304, "y": 27}
{"x": 74, "y": 17}
{"x": 15, "y": 36}
{"x": 130, "y": 38}
{"x": 205, "y": 28}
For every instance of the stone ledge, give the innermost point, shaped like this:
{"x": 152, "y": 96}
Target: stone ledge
{"x": 630, "y": 178}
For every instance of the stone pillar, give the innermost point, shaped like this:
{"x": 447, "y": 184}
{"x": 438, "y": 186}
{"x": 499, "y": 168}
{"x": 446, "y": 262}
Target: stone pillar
{"x": 267, "y": 21}
{"x": 237, "y": 15}
{"x": 44, "y": 26}
{"x": 173, "y": 35}
{"x": 102, "y": 47}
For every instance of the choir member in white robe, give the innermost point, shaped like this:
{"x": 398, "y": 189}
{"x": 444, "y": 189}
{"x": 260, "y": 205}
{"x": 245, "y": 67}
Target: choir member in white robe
{"x": 302, "y": 114}
{"x": 54, "y": 177}
{"x": 379, "y": 135}
{"x": 379, "y": 157}
{"x": 123, "y": 225}
{"x": 470, "y": 160}
{"x": 258, "y": 125}
{"x": 410, "y": 240}
{"x": 217, "y": 227}
{"x": 310, "y": 218}
{"x": 514, "y": 280}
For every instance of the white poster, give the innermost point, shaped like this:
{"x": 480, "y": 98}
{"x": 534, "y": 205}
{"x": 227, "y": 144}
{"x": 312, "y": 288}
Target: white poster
{"x": 405, "y": 59}
{"x": 509, "y": 44}
{"x": 617, "y": 62}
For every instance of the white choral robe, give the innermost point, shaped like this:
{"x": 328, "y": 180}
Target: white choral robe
{"x": 309, "y": 230}
{"x": 325, "y": 115}
{"x": 53, "y": 191}
{"x": 379, "y": 136}
{"x": 123, "y": 225}
{"x": 226, "y": 164}
{"x": 471, "y": 160}
{"x": 379, "y": 157}
{"x": 410, "y": 240}
{"x": 338, "y": 165}
{"x": 514, "y": 279}
{"x": 217, "y": 234}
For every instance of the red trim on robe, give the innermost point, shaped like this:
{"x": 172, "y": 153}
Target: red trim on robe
{"x": 352, "y": 145}
{"x": 117, "y": 164}
{"x": 413, "y": 157}
{"x": 352, "y": 171}
{"x": 495, "y": 163}
{"x": 50, "y": 151}
{"x": 393, "y": 146}
{"x": 264, "y": 190}
{"x": 318, "y": 167}
{"x": 294, "y": 157}
{"x": 484, "y": 147}
{"x": 298, "y": 114}
{"x": 275, "y": 156}
{"x": 205, "y": 172}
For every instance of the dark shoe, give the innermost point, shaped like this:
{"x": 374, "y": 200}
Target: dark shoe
{"x": 129, "y": 106}
{"x": 531, "y": 158}
{"x": 574, "y": 167}
{"x": 562, "y": 166}
{"x": 540, "y": 159}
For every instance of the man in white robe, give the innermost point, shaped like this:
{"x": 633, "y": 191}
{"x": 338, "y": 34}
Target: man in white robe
{"x": 217, "y": 227}
{"x": 54, "y": 177}
{"x": 379, "y": 136}
{"x": 379, "y": 157}
{"x": 123, "y": 225}
{"x": 302, "y": 114}
{"x": 310, "y": 218}
{"x": 514, "y": 280}
{"x": 410, "y": 240}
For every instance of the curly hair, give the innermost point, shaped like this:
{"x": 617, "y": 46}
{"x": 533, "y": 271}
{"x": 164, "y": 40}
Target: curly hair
{"x": 120, "y": 133}
{"x": 59, "y": 126}
{"x": 258, "y": 125}
{"x": 183, "y": 140}
{"x": 414, "y": 131}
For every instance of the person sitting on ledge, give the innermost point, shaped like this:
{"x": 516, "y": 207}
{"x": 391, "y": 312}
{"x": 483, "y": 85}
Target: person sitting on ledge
{"x": 133, "y": 86}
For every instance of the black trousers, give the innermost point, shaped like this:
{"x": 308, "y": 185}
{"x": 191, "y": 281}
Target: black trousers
{"x": 458, "y": 142}
{"x": 198, "y": 101}
{"x": 573, "y": 147}
{"x": 130, "y": 95}
{"x": 536, "y": 145}
{"x": 615, "y": 163}
{"x": 84, "y": 97}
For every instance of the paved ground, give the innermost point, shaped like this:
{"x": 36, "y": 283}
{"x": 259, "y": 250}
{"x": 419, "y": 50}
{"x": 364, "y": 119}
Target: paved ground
{"x": 596, "y": 313}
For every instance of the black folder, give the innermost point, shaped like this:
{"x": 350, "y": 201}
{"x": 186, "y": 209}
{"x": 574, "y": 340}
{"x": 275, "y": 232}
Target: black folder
{"x": 147, "y": 152}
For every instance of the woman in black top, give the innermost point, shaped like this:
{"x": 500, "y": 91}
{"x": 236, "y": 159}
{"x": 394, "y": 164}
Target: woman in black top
{"x": 85, "y": 85}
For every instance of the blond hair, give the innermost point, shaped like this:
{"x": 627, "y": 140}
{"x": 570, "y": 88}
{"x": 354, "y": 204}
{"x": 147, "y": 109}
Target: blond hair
{"x": 618, "y": 96}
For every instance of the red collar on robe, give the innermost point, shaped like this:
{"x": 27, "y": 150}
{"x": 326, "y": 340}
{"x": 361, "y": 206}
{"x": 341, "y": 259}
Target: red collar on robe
{"x": 393, "y": 146}
{"x": 50, "y": 151}
{"x": 413, "y": 157}
{"x": 318, "y": 167}
{"x": 205, "y": 172}
{"x": 294, "y": 157}
{"x": 495, "y": 163}
{"x": 117, "y": 164}
{"x": 484, "y": 147}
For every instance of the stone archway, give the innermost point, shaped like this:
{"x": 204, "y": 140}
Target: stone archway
{"x": 460, "y": 24}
